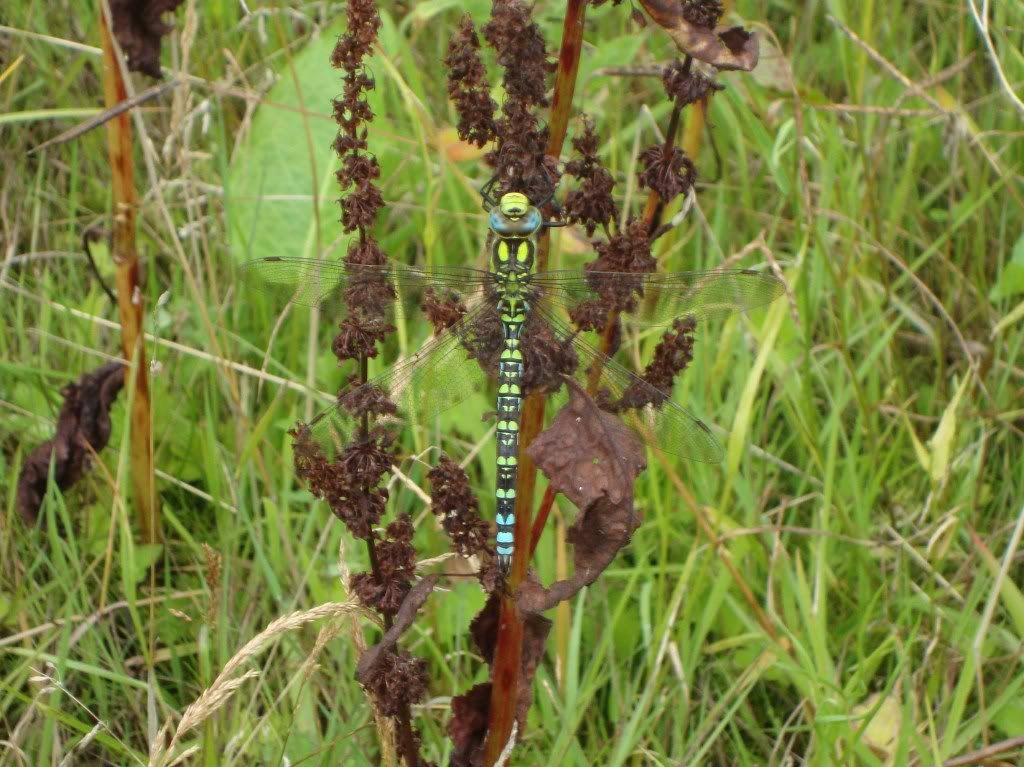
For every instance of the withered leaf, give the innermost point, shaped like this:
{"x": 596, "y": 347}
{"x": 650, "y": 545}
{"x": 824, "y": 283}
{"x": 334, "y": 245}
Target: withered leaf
{"x": 592, "y": 458}
{"x": 588, "y": 454}
{"x": 471, "y": 711}
{"x": 732, "y": 48}
{"x": 138, "y": 27}
{"x": 468, "y": 725}
{"x": 83, "y": 427}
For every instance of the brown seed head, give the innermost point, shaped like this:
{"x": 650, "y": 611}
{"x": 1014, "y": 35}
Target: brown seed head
{"x": 360, "y": 34}
{"x": 454, "y": 503}
{"x": 667, "y": 170}
{"x": 386, "y": 587}
{"x": 443, "y": 311}
{"x": 671, "y": 357}
{"x": 468, "y": 87}
{"x": 358, "y": 335}
{"x": 685, "y": 85}
{"x": 399, "y": 681}
{"x": 703, "y": 13}
{"x": 591, "y": 204}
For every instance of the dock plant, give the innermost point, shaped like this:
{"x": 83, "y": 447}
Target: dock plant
{"x": 587, "y": 453}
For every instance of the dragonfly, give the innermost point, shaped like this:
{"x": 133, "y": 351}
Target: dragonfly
{"x": 513, "y": 332}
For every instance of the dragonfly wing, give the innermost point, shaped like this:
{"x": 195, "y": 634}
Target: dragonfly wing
{"x": 668, "y": 427}
{"x": 311, "y": 281}
{"x": 662, "y": 297}
{"x": 441, "y": 374}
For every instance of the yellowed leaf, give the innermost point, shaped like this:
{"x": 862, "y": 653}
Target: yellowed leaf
{"x": 941, "y": 443}
{"x": 881, "y": 732}
{"x": 923, "y": 456}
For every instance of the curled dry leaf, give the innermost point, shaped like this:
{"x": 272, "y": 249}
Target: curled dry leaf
{"x": 138, "y": 27}
{"x": 83, "y": 427}
{"x": 592, "y": 458}
{"x": 588, "y": 454}
{"x": 468, "y": 725}
{"x": 471, "y": 710}
{"x": 730, "y": 48}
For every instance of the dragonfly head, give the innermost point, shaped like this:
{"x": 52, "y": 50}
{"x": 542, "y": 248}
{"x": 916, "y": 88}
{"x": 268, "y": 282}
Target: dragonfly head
{"x": 513, "y": 216}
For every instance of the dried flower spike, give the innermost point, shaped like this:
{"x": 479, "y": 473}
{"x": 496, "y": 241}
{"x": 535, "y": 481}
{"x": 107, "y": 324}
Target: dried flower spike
{"x": 685, "y": 85}
{"x": 454, "y": 503}
{"x": 468, "y": 87}
{"x": 591, "y": 204}
{"x": 386, "y": 586}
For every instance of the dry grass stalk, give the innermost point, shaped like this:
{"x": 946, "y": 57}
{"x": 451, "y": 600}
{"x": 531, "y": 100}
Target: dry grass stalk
{"x": 129, "y": 292}
{"x": 69, "y": 757}
{"x": 228, "y": 681}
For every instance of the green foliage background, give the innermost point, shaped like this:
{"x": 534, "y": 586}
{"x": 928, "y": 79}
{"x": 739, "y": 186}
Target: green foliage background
{"x": 872, "y": 498}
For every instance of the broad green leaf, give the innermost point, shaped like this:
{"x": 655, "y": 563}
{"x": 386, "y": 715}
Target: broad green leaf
{"x": 286, "y": 161}
{"x": 143, "y": 556}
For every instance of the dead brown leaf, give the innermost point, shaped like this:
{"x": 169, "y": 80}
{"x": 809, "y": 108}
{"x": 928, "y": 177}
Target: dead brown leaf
{"x": 728, "y": 48}
{"x": 83, "y": 427}
{"x": 138, "y": 27}
{"x": 592, "y": 458}
{"x": 471, "y": 711}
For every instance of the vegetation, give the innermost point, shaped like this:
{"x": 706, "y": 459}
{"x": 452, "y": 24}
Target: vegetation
{"x": 840, "y": 590}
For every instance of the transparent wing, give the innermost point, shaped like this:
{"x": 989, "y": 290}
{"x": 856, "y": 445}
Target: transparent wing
{"x": 661, "y": 297}
{"x": 443, "y": 373}
{"x": 311, "y": 281}
{"x": 668, "y": 427}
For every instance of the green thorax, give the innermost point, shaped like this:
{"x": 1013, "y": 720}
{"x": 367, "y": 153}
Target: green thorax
{"x": 513, "y": 222}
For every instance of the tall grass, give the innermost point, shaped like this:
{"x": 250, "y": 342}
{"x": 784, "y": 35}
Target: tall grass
{"x": 872, "y": 497}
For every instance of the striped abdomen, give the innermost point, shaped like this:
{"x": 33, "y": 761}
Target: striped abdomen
{"x": 513, "y": 309}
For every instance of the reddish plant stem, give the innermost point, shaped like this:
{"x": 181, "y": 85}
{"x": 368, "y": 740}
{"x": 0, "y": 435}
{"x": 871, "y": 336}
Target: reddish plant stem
{"x": 651, "y": 215}
{"x": 508, "y": 652}
{"x": 565, "y": 77}
{"x": 129, "y": 291}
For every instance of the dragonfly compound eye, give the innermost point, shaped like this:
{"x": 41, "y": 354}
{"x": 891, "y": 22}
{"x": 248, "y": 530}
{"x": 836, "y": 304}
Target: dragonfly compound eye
{"x": 514, "y": 204}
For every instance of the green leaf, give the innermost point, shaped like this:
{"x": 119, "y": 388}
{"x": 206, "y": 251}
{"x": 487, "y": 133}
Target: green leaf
{"x": 142, "y": 557}
{"x": 286, "y": 161}
{"x": 941, "y": 443}
{"x": 1011, "y": 280}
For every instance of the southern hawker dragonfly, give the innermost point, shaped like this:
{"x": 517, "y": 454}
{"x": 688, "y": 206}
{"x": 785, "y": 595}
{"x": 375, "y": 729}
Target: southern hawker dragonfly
{"x": 514, "y": 311}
